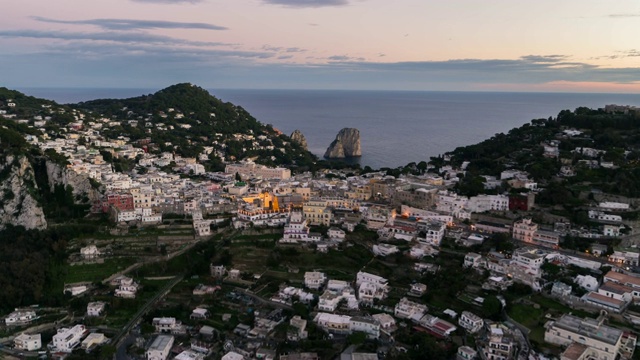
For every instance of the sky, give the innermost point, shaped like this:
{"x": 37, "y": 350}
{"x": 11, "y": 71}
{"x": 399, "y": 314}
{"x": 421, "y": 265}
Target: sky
{"x": 452, "y": 45}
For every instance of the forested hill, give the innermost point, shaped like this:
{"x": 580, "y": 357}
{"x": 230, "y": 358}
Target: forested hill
{"x": 198, "y": 107}
{"x": 186, "y": 119}
{"x": 570, "y": 155}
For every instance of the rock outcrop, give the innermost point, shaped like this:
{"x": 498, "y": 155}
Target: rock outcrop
{"x": 18, "y": 191}
{"x": 346, "y": 144}
{"x": 298, "y": 138}
{"x": 83, "y": 191}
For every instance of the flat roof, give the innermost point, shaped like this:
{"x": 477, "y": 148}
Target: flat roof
{"x": 589, "y": 327}
{"x": 161, "y": 342}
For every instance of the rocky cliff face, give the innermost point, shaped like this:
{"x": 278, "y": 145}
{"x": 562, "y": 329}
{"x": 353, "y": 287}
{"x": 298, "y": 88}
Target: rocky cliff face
{"x": 18, "y": 191}
{"x": 298, "y": 138}
{"x": 346, "y": 144}
{"x": 60, "y": 175}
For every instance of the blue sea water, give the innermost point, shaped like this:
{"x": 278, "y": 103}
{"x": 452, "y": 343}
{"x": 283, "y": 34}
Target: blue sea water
{"x": 396, "y": 127}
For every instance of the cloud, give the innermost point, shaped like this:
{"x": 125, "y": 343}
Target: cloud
{"x": 168, "y": 2}
{"x": 344, "y": 58}
{"x": 620, "y": 55}
{"x": 544, "y": 58}
{"x": 307, "y": 3}
{"x": 119, "y": 37}
{"x": 132, "y": 24}
{"x": 624, "y": 15}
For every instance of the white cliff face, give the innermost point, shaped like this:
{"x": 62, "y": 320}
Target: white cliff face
{"x": 346, "y": 144}
{"x": 17, "y": 190}
{"x": 299, "y": 138}
{"x": 59, "y": 175}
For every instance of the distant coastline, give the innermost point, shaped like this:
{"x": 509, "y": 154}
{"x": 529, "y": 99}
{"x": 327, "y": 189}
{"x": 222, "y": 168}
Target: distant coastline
{"x": 397, "y": 127}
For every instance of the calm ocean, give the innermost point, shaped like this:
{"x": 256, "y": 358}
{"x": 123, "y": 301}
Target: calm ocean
{"x": 396, "y": 127}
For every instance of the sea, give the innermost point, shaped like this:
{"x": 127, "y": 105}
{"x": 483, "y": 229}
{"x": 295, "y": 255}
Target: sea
{"x": 396, "y": 127}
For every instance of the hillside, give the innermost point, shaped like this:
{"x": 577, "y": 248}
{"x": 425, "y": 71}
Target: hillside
{"x": 187, "y": 120}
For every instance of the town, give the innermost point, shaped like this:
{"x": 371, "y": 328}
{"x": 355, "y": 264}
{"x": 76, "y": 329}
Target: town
{"x": 262, "y": 262}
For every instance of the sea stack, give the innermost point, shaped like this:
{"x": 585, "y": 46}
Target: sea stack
{"x": 346, "y": 144}
{"x": 299, "y": 139}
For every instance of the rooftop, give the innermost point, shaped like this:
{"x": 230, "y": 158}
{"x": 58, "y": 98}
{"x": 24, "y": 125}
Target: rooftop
{"x": 589, "y": 328}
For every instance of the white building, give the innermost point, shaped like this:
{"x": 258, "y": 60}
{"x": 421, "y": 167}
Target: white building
{"x": 470, "y": 322}
{"x": 94, "y": 339}
{"x": 297, "y": 329}
{"x": 604, "y": 340}
{"x": 160, "y": 347}
{"x": 20, "y": 317}
{"x": 68, "y": 339}
{"x": 27, "y": 342}
{"x": 166, "y": 325}
{"x": 297, "y": 231}
{"x": 337, "y": 324}
{"x": 314, "y": 280}
{"x": 435, "y": 232}
{"x": 95, "y": 308}
{"x": 90, "y": 252}
{"x": 127, "y": 289}
{"x": 366, "y": 325}
{"x": 406, "y": 309}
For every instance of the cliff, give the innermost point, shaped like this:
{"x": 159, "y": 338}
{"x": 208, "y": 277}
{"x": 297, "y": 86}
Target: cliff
{"x": 298, "y": 138}
{"x": 82, "y": 190}
{"x": 19, "y": 192}
{"x": 346, "y": 144}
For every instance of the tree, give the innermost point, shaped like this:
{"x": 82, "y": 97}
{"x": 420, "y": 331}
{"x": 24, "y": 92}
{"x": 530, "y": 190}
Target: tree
{"x": 491, "y": 308}
{"x": 238, "y": 177}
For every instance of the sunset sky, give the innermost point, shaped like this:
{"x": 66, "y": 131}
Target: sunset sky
{"x": 468, "y": 45}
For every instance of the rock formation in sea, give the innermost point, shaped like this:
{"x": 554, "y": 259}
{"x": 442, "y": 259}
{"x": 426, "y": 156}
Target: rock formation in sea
{"x": 346, "y": 144}
{"x": 298, "y": 138}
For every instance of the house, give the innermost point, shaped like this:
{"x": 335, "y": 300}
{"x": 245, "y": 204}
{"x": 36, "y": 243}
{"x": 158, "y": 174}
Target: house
{"x": 167, "y": 325}
{"x": 93, "y": 340}
{"x": 466, "y": 353}
{"x": 406, "y": 309}
{"x": 297, "y": 329}
{"x": 472, "y": 260}
{"x": 96, "y": 308}
{"x": 314, "y": 280}
{"x": 524, "y": 230}
{"x": 587, "y": 282}
{"x": 217, "y": 271}
{"x": 387, "y": 322}
{"x": 384, "y": 249}
{"x": 605, "y": 341}
{"x": 332, "y": 323}
{"x": 199, "y": 313}
{"x": 90, "y": 252}
{"x": 127, "y": 288}
{"x": 499, "y": 343}
{"x": 624, "y": 279}
{"x": 560, "y": 289}
{"x": 470, "y": 322}
{"x": 437, "y": 326}
{"x": 160, "y": 347}
{"x": 365, "y": 325}
{"x": 417, "y": 289}
{"x": 265, "y": 354}
{"x": 329, "y": 301}
{"x": 232, "y": 355}
{"x": 202, "y": 289}
{"x": 435, "y": 232}
{"x": 20, "y": 317}
{"x": 67, "y": 339}
{"x": 336, "y": 234}
{"x": 189, "y": 355}
{"x": 27, "y": 342}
